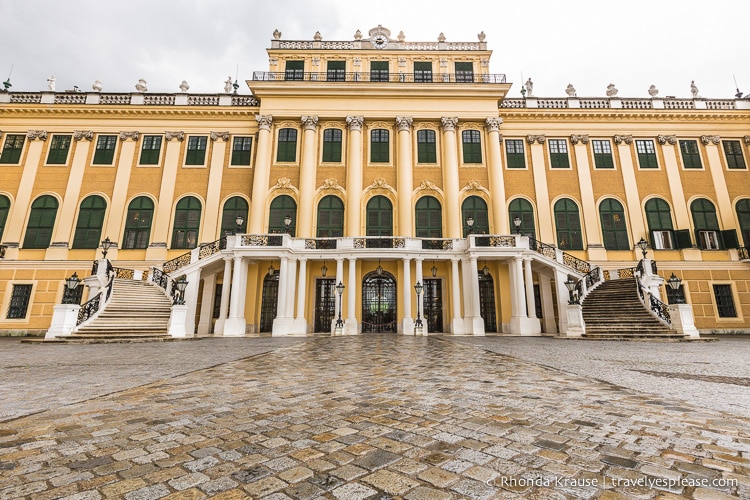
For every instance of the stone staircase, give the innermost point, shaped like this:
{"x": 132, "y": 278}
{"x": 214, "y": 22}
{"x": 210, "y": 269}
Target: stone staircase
{"x": 137, "y": 311}
{"x": 613, "y": 311}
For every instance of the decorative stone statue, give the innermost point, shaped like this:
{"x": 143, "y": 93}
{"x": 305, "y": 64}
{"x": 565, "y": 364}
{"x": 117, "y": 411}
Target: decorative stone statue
{"x": 317, "y": 37}
{"x": 401, "y": 36}
{"x": 653, "y": 91}
{"x": 611, "y": 90}
{"x": 276, "y": 34}
{"x": 358, "y": 35}
{"x": 141, "y": 86}
{"x": 97, "y": 86}
{"x": 693, "y": 89}
{"x": 529, "y": 88}
{"x": 51, "y": 83}
{"x": 570, "y": 90}
{"x": 184, "y": 86}
{"x": 228, "y": 85}
{"x": 481, "y": 36}
{"x": 441, "y": 37}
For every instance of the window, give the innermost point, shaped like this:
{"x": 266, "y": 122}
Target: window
{"x": 422, "y": 72}
{"x": 234, "y": 206}
{"x": 379, "y": 71}
{"x": 105, "y": 150}
{"x": 19, "y": 301}
{"x": 646, "y": 153}
{"x": 4, "y": 209}
{"x": 379, "y": 217}
{"x": 568, "y": 224}
{"x": 281, "y": 206}
{"x": 733, "y": 153}
{"x": 138, "y": 223}
{"x": 13, "y": 148}
{"x": 614, "y": 230}
{"x": 336, "y": 71}
{"x": 41, "y": 222}
{"x": 659, "y": 219}
{"x": 464, "y": 72}
{"x": 332, "y": 145}
{"x": 742, "y": 207}
{"x": 558, "y": 153}
{"x": 706, "y": 224}
{"x": 196, "y": 150}
{"x": 90, "y": 222}
{"x": 287, "y": 147}
{"x": 691, "y": 158}
{"x": 187, "y": 219}
{"x": 724, "y": 301}
{"x": 476, "y": 208}
{"x": 426, "y": 150}
{"x": 472, "y": 145}
{"x": 150, "y": 150}
{"x": 241, "y": 148}
{"x": 295, "y": 70}
{"x": 58, "y": 150}
{"x": 602, "y": 154}
{"x": 330, "y": 217}
{"x": 379, "y": 146}
{"x": 514, "y": 153}
{"x": 523, "y": 209}
{"x": 429, "y": 218}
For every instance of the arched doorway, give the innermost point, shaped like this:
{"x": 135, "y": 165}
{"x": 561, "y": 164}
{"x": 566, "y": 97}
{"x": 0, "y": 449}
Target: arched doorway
{"x": 487, "y": 302}
{"x": 379, "y": 303}
{"x": 269, "y": 302}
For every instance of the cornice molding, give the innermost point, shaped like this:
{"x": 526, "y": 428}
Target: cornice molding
{"x": 545, "y": 114}
{"x": 582, "y": 138}
{"x": 37, "y": 134}
{"x": 87, "y": 135}
{"x": 664, "y": 139}
{"x": 126, "y": 111}
{"x": 215, "y": 136}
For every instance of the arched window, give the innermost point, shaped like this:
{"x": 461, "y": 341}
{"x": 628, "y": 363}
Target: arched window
{"x": 742, "y": 207}
{"x": 90, "y": 222}
{"x": 330, "y": 217}
{"x": 138, "y": 223}
{"x": 4, "y": 209}
{"x": 281, "y": 206}
{"x": 659, "y": 219}
{"x": 522, "y": 208}
{"x": 614, "y": 230}
{"x": 476, "y": 208}
{"x": 187, "y": 221}
{"x": 568, "y": 224}
{"x": 429, "y": 218}
{"x": 234, "y": 206}
{"x": 706, "y": 224}
{"x": 379, "y": 216}
{"x": 41, "y": 222}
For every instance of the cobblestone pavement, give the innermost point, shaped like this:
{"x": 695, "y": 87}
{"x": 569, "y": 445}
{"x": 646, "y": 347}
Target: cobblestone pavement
{"x": 369, "y": 417}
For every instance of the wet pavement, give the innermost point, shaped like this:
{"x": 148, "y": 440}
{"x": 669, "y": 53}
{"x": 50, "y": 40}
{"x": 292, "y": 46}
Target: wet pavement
{"x": 378, "y": 416}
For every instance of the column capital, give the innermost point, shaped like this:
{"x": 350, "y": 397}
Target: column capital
{"x": 448, "y": 123}
{"x": 264, "y": 122}
{"x": 619, "y": 139}
{"x": 664, "y": 139}
{"x": 710, "y": 139}
{"x": 124, "y": 136}
{"x": 309, "y": 122}
{"x": 37, "y": 134}
{"x": 215, "y": 136}
{"x": 87, "y": 135}
{"x": 493, "y": 123}
{"x": 582, "y": 138}
{"x": 747, "y": 140}
{"x": 180, "y": 135}
{"x": 531, "y": 139}
{"x": 404, "y": 123}
{"x": 355, "y": 122}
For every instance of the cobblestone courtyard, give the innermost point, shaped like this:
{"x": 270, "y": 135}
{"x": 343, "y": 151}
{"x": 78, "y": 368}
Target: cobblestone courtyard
{"x": 375, "y": 417}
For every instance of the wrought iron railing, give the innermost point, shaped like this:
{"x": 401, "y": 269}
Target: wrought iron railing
{"x": 437, "y": 244}
{"x": 377, "y": 76}
{"x": 160, "y": 278}
{"x": 568, "y": 260}
{"x": 593, "y": 277}
{"x": 209, "y": 249}
{"x": 321, "y": 243}
{"x": 262, "y": 240}
{"x": 176, "y": 263}
{"x": 94, "y": 305}
{"x": 379, "y": 242}
{"x": 616, "y": 274}
{"x": 656, "y": 306}
{"x": 743, "y": 253}
{"x": 124, "y": 273}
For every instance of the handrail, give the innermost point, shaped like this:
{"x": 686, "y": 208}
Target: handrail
{"x": 93, "y": 306}
{"x": 176, "y": 263}
{"x": 568, "y": 260}
{"x": 656, "y": 306}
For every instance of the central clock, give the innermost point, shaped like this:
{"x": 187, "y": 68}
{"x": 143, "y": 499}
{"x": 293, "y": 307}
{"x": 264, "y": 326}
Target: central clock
{"x": 380, "y": 41}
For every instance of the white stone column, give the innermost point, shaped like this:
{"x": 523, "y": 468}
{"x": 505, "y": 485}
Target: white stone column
{"x": 300, "y": 322}
{"x": 191, "y": 300}
{"x": 457, "y": 322}
{"x": 261, "y": 175}
{"x": 291, "y": 281}
{"x": 562, "y": 302}
{"x": 226, "y": 285}
{"x": 452, "y": 209}
{"x": 548, "y": 309}
{"x": 235, "y": 324}
{"x": 354, "y": 176}
{"x": 496, "y": 175}
{"x": 529, "y": 285}
{"x": 405, "y": 180}
{"x": 282, "y": 322}
{"x": 407, "y": 323}
{"x": 307, "y": 172}
{"x": 418, "y": 277}
{"x": 350, "y": 325}
{"x": 207, "y": 304}
{"x": 474, "y": 320}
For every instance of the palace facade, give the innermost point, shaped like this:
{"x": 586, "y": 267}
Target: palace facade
{"x": 374, "y": 164}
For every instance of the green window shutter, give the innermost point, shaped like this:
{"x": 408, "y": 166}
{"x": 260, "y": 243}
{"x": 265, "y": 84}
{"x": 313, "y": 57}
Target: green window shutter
{"x": 233, "y": 207}
{"x": 241, "y": 149}
{"x": 379, "y": 71}
{"x": 104, "y": 154}
{"x": 332, "y": 145}
{"x": 379, "y": 217}
{"x": 41, "y": 222}
{"x": 682, "y": 238}
{"x": 646, "y": 153}
{"x": 58, "y": 150}
{"x": 426, "y": 149}
{"x": 13, "y": 148}
{"x": 150, "y": 150}
{"x": 379, "y": 146}
{"x": 464, "y": 72}
{"x": 472, "y": 146}
{"x": 90, "y": 222}
{"x": 287, "y": 145}
{"x": 691, "y": 157}
{"x": 4, "y": 209}
{"x": 281, "y": 206}
{"x": 475, "y": 207}
{"x": 558, "y": 153}
{"x": 138, "y": 223}
{"x": 602, "y": 154}
{"x": 733, "y": 154}
{"x": 729, "y": 238}
{"x": 429, "y": 218}
{"x": 614, "y": 230}
{"x": 336, "y": 71}
{"x": 523, "y": 209}
{"x": 330, "y": 217}
{"x": 568, "y": 225}
{"x": 196, "y": 150}
{"x": 422, "y": 71}
{"x": 186, "y": 223}
{"x": 295, "y": 70}
{"x": 514, "y": 152}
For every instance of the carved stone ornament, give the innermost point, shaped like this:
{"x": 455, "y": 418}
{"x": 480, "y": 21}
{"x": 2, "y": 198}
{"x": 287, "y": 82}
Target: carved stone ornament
{"x": 747, "y": 140}
{"x": 309, "y": 122}
{"x": 664, "y": 139}
{"x": 264, "y": 121}
{"x": 531, "y": 139}
{"x": 448, "y": 123}
{"x": 37, "y": 134}
{"x": 474, "y": 186}
{"x": 215, "y": 136}
{"x": 124, "y": 136}
{"x": 355, "y": 122}
{"x": 619, "y": 139}
{"x": 276, "y": 34}
{"x": 330, "y": 183}
{"x": 427, "y": 184}
{"x": 710, "y": 139}
{"x": 404, "y": 123}
{"x": 83, "y": 134}
{"x": 283, "y": 182}
{"x": 582, "y": 138}
{"x": 379, "y": 183}
{"x": 179, "y": 135}
{"x": 493, "y": 123}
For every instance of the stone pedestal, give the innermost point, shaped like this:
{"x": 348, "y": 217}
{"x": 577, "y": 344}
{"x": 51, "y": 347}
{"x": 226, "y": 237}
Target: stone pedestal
{"x": 682, "y": 320}
{"x": 575, "y": 327}
{"x": 234, "y": 327}
{"x": 64, "y": 319}
{"x": 522, "y": 325}
{"x": 177, "y": 321}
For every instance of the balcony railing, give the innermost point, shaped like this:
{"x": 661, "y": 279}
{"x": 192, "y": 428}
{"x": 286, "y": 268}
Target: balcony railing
{"x": 366, "y": 76}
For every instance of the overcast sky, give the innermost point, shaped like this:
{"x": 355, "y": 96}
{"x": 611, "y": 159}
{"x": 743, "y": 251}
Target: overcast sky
{"x": 589, "y": 43}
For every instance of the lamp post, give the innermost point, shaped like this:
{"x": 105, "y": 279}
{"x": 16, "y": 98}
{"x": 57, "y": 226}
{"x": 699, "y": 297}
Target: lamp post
{"x": 643, "y": 245}
{"x": 181, "y": 285}
{"x": 106, "y": 245}
{"x": 517, "y": 224}
{"x": 434, "y": 269}
{"x": 271, "y": 270}
{"x": 486, "y": 270}
{"x": 239, "y": 220}
{"x": 324, "y": 269}
{"x": 570, "y": 284}
{"x": 469, "y": 224}
{"x": 287, "y": 223}
{"x": 418, "y": 326}
{"x": 71, "y": 284}
{"x": 340, "y": 322}
{"x": 674, "y": 283}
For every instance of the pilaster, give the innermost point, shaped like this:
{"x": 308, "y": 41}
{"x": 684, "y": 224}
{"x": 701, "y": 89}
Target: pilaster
{"x": 724, "y": 203}
{"x": 632, "y": 197}
{"x": 212, "y": 217}
{"x": 405, "y": 182}
{"x": 307, "y": 177}
{"x": 452, "y": 209}
{"x": 261, "y": 174}
{"x": 157, "y": 249}
{"x": 354, "y": 176}
{"x": 496, "y": 176}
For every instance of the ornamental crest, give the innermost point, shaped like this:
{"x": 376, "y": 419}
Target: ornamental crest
{"x": 379, "y": 183}
{"x": 428, "y": 184}
{"x": 474, "y": 185}
{"x": 330, "y": 183}
{"x": 283, "y": 183}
